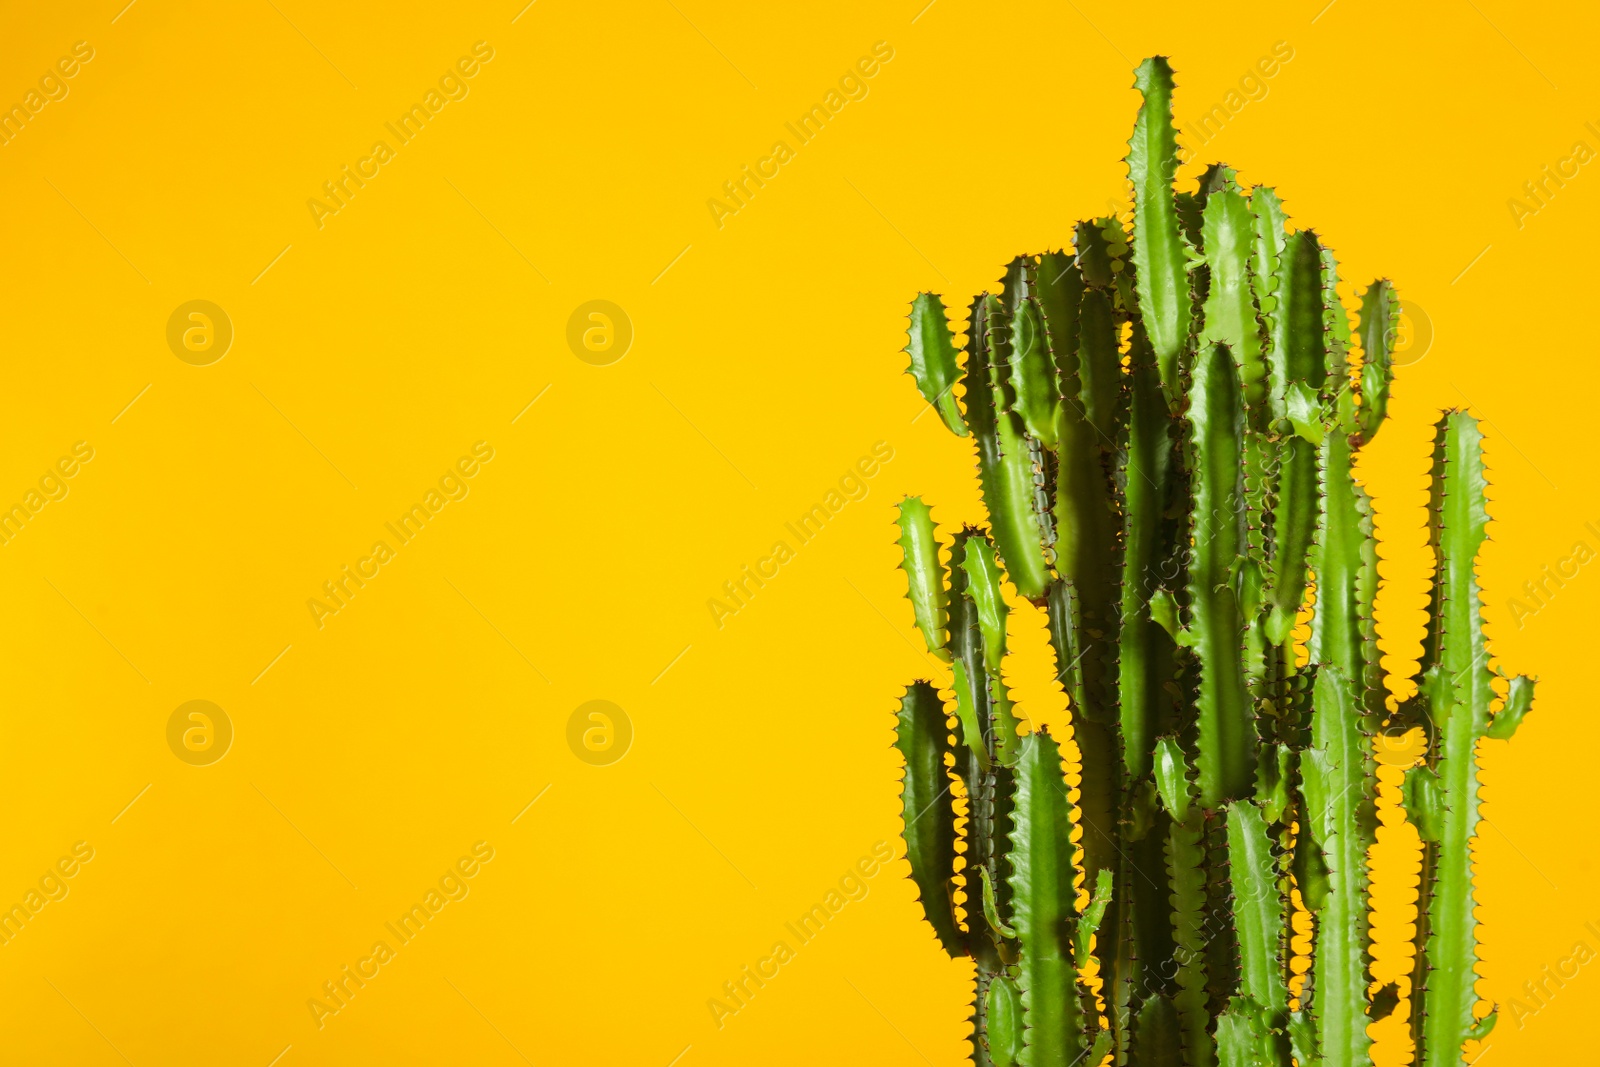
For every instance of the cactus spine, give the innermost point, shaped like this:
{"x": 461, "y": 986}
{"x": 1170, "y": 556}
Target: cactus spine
{"x": 1167, "y": 425}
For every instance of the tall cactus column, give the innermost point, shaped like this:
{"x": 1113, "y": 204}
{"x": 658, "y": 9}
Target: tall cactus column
{"x": 1457, "y": 685}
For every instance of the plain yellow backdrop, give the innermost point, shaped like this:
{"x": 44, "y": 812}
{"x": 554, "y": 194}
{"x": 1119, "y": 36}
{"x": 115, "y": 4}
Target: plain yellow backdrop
{"x": 373, "y": 347}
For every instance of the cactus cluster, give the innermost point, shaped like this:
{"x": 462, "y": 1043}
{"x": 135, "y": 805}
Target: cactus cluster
{"x": 1166, "y": 420}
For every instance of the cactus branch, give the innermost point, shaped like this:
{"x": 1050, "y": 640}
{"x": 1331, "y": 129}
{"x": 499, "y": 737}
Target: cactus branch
{"x": 928, "y": 821}
{"x": 1042, "y": 907}
{"x": 1160, "y": 263}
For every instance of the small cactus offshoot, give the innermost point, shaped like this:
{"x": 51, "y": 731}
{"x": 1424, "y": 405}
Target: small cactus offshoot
{"x": 1167, "y": 419}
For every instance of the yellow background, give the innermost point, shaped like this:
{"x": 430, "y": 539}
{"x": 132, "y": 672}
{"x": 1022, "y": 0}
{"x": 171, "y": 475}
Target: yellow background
{"x": 432, "y": 309}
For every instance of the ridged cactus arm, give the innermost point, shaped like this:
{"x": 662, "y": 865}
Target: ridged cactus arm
{"x": 1098, "y": 369}
{"x": 1299, "y": 343}
{"x": 1190, "y": 207}
{"x": 932, "y": 349}
{"x": 1031, "y": 376}
{"x": 1258, "y": 913}
{"x": 983, "y": 578}
{"x": 1005, "y": 463}
{"x": 974, "y": 716}
{"x": 1429, "y": 665}
{"x": 1342, "y": 530}
{"x": 1083, "y": 600}
{"x": 991, "y": 906}
{"x": 1461, "y": 695}
{"x": 1059, "y": 290}
{"x": 1266, "y": 255}
{"x": 1296, "y": 368}
{"x": 1295, "y": 524}
{"x": 1463, "y": 520}
{"x": 1089, "y": 921}
{"x": 1185, "y": 853}
{"x": 972, "y": 713}
{"x": 1098, "y": 931}
{"x": 1005, "y": 1027}
{"x": 1421, "y": 796}
{"x": 927, "y": 814}
{"x": 925, "y": 582}
{"x": 1027, "y": 455}
{"x": 1245, "y": 1037}
{"x": 1042, "y": 902}
{"x": 1156, "y": 1040}
{"x": 1172, "y": 778}
{"x": 1451, "y": 950}
{"x": 987, "y": 792}
{"x": 1085, "y": 520}
{"x": 1145, "y": 703}
{"x": 1519, "y": 701}
{"x": 1144, "y": 663}
{"x": 1092, "y": 250}
{"x": 1216, "y": 178}
{"x": 1160, "y": 262}
{"x": 1370, "y": 690}
{"x": 1099, "y": 366}
{"x": 1340, "y": 782}
{"x": 1227, "y": 741}
{"x": 1336, "y": 326}
{"x": 1380, "y": 324}
{"x": 1231, "y": 316}
{"x": 967, "y": 651}
{"x": 1084, "y": 514}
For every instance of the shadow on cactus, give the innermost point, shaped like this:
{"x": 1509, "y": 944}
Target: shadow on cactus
{"x": 1166, "y": 421}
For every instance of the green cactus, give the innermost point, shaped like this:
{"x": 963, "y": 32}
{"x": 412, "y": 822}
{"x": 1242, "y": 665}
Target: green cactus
{"x": 1168, "y": 425}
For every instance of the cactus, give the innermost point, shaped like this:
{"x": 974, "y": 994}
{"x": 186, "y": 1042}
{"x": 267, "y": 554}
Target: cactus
{"x": 1168, "y": 424}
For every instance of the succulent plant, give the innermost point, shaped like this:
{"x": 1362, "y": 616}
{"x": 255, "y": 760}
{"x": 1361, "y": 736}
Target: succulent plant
{"x": 1166, "y": 421}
